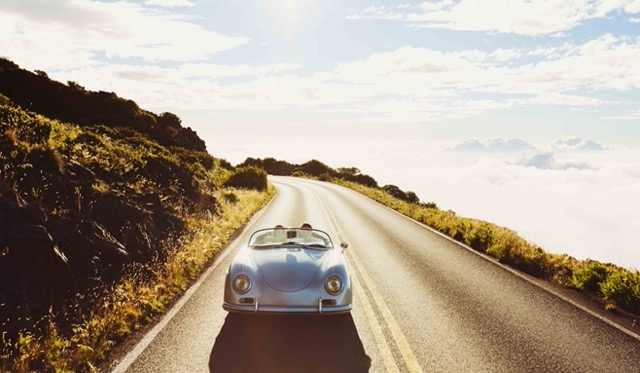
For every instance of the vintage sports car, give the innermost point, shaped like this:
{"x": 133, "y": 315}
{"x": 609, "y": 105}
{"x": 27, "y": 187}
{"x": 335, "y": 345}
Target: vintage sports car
{"x": 289, "y": 271}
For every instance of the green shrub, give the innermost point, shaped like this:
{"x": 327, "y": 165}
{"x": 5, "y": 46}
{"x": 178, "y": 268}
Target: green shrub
{"x": 231, "y": 197}
{"x": 622, "y": 288}
{"x": 25, "y": 126}
{"x": 479, "y": 237}
{"x": 248, "y": 178}
{"x": 324, "y": 177}
{"x": 315, "y": 168}
{"x": 561, "y": 269}
{"x": 590, "y": 277}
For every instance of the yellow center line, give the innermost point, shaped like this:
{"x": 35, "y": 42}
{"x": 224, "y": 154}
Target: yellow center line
{"x": 376, "y": 329}
{"x": 392, "y": 324}
{"x": 398, "y": 336}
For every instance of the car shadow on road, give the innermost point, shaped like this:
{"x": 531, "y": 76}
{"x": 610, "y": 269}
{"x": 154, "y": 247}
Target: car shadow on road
{"x": 263, "y": 343}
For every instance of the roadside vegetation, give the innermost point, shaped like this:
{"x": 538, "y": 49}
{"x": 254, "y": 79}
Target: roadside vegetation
{"x": 108, "y": 213}
{"x": 132, "y": 302}
{"x": 617, "y": 288}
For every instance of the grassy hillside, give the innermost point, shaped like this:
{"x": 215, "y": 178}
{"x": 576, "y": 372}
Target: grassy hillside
{"x": 102, "y": 222}
{"x": 72, "y": 103}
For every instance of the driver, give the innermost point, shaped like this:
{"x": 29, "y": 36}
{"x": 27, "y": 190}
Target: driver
{"x": 309, "y": 237}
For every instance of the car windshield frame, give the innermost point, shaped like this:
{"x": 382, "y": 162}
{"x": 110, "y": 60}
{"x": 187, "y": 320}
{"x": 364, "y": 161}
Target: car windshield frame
{"x": 291, "y": 237}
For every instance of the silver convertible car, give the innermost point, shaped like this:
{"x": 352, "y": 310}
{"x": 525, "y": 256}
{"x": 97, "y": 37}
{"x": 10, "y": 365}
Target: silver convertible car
{"x": 289, "y": 271}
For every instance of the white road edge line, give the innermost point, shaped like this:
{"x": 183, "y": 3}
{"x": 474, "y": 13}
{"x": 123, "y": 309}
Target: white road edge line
{"x": 523, "y": 276}
{"x": 166, "y": 319}
{"x": 151, "y": 335}
{"x": 392, "y": 324}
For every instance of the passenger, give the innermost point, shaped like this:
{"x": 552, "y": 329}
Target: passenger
{"x": 309, "y": 237}
{"x": 279, "y": 234}
{"x": 305, "y": 234}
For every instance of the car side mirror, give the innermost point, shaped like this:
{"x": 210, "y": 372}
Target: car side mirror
{"x": 344, "y": 245}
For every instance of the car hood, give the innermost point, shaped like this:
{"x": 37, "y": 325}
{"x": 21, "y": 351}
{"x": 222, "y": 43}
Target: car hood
{"x": 289, "y": 269}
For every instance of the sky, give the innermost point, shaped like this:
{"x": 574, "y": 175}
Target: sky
{"x": 524, "y": 113}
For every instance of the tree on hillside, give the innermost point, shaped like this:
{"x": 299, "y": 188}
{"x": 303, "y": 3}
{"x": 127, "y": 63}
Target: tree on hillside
{"x": 316, "y": 168}
{"x": 365, "y": 180}
{"x": 396, "y": 192}
{"x": 412, "y": 197}
{"x": 248, "y": 178}
{"x": 350, "y": 171}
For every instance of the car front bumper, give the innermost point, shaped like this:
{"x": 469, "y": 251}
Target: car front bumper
{"x": 323, "y": 306}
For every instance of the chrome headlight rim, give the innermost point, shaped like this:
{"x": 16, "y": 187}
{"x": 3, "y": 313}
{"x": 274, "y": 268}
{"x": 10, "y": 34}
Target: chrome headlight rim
{"x": 333, "y": 285}
{"x": 241, "y": 284}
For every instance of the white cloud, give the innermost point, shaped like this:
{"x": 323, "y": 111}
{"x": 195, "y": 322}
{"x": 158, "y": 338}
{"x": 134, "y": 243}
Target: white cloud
{"x": 503, "y": 55}
{"x": 164, "y": 59}
{"x": 624, "y": 116}
{"x": 169, "y": 3}
{"x": 533, "y": 17}
{"x": 632, "y": 7}
{"x": 70, "y": 34}
{"x": 584, "y": 210}
{"x": 577, "y": 144}
{"x": 495, "y": 145}
{"x": 406, "y": 85}
{"x": 552, "y": 98}
{"x": 214, "y": 71}
{"x": 377, "y": 12}
{"x": 401, "y": 86}
{"x": 547, "y": 161}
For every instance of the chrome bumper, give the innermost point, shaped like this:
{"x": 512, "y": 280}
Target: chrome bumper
{"x": 252, "y": 305}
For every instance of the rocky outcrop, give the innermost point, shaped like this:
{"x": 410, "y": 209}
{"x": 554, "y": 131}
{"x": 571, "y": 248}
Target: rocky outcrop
{"x": 46, "y": 259}
{"x": 34, "y": 273}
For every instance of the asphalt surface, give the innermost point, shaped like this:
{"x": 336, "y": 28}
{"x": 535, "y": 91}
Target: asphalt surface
{"x": 422, "y": 304}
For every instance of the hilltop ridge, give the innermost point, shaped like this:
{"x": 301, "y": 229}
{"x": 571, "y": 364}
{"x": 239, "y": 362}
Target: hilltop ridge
{"x": 72, "y": 103}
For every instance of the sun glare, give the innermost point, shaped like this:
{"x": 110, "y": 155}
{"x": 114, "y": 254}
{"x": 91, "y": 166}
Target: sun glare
{"x": 288, "y": 15}
{"x": 288, "y": 4}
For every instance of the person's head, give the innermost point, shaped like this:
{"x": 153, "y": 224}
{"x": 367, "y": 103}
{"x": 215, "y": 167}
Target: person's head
{"x": 306, "y": 231}
{"x": 278, "y": 233}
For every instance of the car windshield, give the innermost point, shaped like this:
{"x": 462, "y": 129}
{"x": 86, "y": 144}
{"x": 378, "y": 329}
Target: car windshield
{"x": 290, "y": 236}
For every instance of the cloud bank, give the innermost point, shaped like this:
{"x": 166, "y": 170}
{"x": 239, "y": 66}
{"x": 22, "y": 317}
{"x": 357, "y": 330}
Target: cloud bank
{"x": 573, "y": 202}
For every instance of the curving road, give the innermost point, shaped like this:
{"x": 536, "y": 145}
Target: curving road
{"x": 422, "y": 304}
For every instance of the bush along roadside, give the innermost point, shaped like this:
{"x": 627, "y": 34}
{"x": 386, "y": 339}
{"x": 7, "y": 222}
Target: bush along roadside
{"x": 617, "y": 287}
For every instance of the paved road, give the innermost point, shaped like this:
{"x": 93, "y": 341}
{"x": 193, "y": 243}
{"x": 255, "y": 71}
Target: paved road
{"x": 422, "y": 304}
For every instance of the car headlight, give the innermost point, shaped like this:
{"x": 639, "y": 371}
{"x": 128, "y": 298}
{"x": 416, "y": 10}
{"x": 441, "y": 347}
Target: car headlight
{"x": 241, "y": 284}
{"x": 333, "y": 285}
